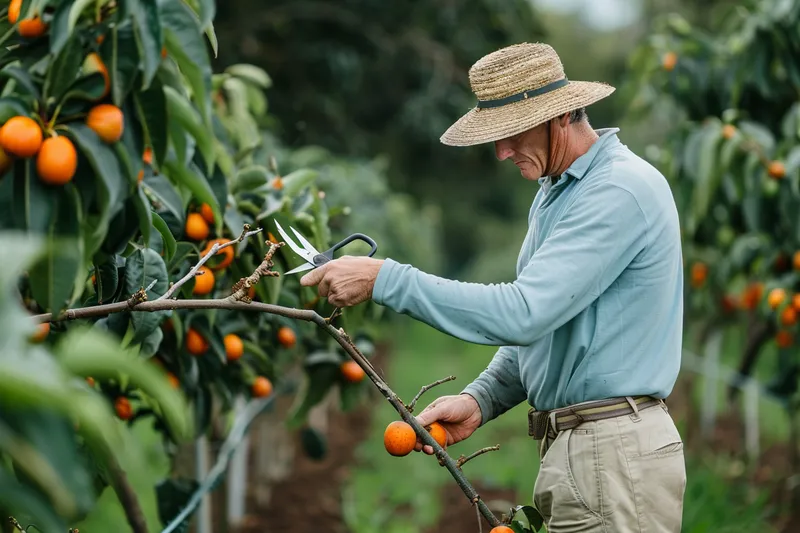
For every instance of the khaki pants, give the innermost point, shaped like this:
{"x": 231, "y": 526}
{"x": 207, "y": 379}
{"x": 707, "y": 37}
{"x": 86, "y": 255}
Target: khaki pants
{"x": 617, "y": 475}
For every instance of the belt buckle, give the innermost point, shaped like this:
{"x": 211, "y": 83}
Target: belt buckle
{"x": 537, "y": 424}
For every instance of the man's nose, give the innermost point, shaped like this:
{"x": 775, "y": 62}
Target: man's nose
{"x": 502, "y": 150}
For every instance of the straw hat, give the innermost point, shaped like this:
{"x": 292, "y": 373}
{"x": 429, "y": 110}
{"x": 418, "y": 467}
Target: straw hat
{"x": 518, "y": 88}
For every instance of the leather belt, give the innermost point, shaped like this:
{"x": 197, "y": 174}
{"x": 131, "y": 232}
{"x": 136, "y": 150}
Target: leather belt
{"x": 574, "y": 415}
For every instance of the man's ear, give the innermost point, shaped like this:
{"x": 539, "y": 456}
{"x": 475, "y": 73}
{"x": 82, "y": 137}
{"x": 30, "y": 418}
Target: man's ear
{"x": 563, "y": 120}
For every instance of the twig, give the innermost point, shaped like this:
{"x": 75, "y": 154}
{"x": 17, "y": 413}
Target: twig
{"x": 462, "y": 460}
{"x": 480, "y": 524}
{"x": 211, "y": 252}
{"x": 425, "y": 389}
{"x": 239, "y": 291}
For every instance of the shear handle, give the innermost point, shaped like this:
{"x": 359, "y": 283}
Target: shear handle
{"x": 328, "y": 254}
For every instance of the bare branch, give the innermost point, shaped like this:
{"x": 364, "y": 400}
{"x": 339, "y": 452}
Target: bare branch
{"x": 240, "y": 288}
{"x": 425, "y": 389}
{"x": 211, "y": 253}
{"x": 462, "y": 460}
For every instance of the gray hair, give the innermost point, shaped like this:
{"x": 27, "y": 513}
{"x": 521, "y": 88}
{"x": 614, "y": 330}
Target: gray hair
{"x": 577, "y": 115}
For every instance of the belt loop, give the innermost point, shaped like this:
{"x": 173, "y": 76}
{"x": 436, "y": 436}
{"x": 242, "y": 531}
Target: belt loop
{"x": 635, "y": 416}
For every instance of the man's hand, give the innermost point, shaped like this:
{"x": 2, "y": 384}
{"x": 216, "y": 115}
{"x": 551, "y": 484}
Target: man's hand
{"x": 460, "y": 416}
{"x": 346, "y": 281}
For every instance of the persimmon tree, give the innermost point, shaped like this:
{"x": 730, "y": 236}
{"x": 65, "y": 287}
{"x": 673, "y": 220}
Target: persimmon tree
{"x": 733, "y": 159}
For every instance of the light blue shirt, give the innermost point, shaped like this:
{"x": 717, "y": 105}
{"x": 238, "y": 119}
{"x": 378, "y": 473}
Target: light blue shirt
{"x": 596, "y": 310}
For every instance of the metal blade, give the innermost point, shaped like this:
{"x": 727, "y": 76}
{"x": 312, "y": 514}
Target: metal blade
{"x": 299, "y": 251}
{"x": 301, "y": 268}
{"x": 308, "y": 246}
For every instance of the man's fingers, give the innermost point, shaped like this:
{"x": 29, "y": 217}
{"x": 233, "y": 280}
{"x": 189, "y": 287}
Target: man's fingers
{"x": 313, "y": 277}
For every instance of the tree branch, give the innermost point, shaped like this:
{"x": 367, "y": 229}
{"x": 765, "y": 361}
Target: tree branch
{"x": 238, "y": 301}
{"x": 425, "y": 389}
{"x": 214, "y": 249}
{"x": 462, "y": 460}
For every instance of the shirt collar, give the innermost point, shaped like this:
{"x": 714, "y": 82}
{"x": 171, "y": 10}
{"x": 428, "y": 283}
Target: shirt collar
{"x": 579, "y": 167}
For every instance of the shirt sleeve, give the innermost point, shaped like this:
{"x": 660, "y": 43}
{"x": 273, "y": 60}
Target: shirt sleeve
{"x": 498, "y": 388}
{"x": 588, "y": 248}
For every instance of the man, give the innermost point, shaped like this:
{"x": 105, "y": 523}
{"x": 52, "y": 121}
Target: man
{"x": 590, "y": 331}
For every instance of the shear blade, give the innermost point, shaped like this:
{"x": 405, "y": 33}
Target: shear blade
{"x": 307, "y": 245}
{"x": 299, "y": 251}
{"x": 301, "y": 268}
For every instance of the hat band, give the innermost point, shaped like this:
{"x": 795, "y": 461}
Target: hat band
{"x": 482, "y": 104}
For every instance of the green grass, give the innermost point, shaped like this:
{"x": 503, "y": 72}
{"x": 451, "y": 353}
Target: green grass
{"x": 401, "y": 495}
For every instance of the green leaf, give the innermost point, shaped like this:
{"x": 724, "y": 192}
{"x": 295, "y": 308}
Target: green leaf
{"x": 708, "y": 173}
{"x": 64, "y": 69}
{"x": 124, "y": 65}
{"x": 35, "y": 203}
{"x": 183, "y": 250}
{"x": 314, "y": 443}
{"x": 184, "y": 39}
{"x": 296, "y": 181}
{"x": 144, "y": 213}
{"x": 760, "y": 134}
{"x": 88, "y": 352}
{"x": 106, "y": 165}
{"x": 169, "y": 240}
{"x": 151, "y": 343}
{"x": 89, "y": 88}
{"x": 52, "y": 278}
{"x": 25, "y": 500}
{"x": 142, "y": 268}
{"x": 51, "y": 437}
{"x": 321, "y": 357}
{"x": 183, "y": 112}
{"x": 251, "y": 74}
{"x": 535, "y": 519}
{"x": 151, "y": 106}
{"x": 195, "y": 182}
{"x": 75, "y": 13}
{"x": 23, "y": 79}
{"x": 11, "y": 106}
{"x": 148, "y": 30}
{"x": 59, "y": 27}
{"x": 106, "y": 280}
{"x": 212, "y": 40}
{"x": 165, "y": 198}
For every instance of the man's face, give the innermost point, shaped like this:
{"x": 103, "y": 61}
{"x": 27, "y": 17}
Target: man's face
{"x": 528, "y": 150}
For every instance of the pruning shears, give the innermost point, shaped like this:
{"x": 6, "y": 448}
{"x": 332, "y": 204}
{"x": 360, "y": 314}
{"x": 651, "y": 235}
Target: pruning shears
{"x": 310, "y": 254}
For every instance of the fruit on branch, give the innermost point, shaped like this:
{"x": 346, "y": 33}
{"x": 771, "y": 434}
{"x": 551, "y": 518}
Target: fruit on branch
{"x": 287, "y": 337}
{"x": 234, "y": 347}
{"x": 195, "y": 343}
{"x": 226, "y": 252}
{"x": 21, "y": 136}
{"x": 438, "y": 433}
{"x": 776, "y": 298}
{"x": 203, "y": 282}
{"x": 123, "y": 408}
{"x": 207, "y": 213}
{"x": 262, "y": 387}
{"x": 107, "y": 121}
{"x": 399, "y": 438}
{"x": 196, "y": 227}
{"x": 352, "y": 372}
{"x": 32, "y": 27}
{"x": 42, "y": 331}
{"x": 57, "y": 161}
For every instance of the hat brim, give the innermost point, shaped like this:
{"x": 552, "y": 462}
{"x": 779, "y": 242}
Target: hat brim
{"x": 480, "y": 126}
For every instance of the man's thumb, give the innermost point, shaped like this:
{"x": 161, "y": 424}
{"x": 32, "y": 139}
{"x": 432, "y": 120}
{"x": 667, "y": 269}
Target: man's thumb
{"x": 312, "y": 278}
{"x": 431, "y": 415}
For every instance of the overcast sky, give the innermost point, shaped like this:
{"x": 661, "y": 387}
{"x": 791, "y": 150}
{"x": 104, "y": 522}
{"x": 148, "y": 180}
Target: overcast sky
{"x": 602, "y": 14}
